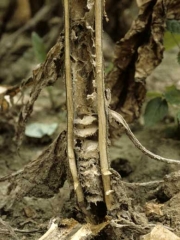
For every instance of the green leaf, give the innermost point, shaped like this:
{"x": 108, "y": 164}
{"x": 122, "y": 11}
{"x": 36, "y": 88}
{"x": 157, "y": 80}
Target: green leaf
{"x": 173, "y": 26}
{"x": 178, "y": 117}
{"x": 155, "y": 111}
{"x": 178, "y": 57}
{"x": 151, "y": 94}
{"x": 38, "y": 47}
{"x": 172, "y": 95}
{"x": 109, "y": 68}
{"x": 171, "y": 41}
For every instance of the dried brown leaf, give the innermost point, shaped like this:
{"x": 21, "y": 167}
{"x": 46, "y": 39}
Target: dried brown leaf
{"x": 43, "y": 176}
{"x": 138, "y": 54}
{"x": 43, "y": 76}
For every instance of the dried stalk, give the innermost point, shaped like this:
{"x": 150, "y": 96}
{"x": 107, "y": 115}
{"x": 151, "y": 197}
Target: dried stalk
{"x": 70, "y": 109}
{"x": 143, "y": 184}
{"x": 53, "y": 228}
{"x": 70, "y": 229}
{"x": 118, "y": 118}
{"x": 101, "y": 103}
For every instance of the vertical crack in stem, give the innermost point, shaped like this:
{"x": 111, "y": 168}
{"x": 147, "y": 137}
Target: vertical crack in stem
{"x": 70, "y": 110}
{"x": 102, "y": 113}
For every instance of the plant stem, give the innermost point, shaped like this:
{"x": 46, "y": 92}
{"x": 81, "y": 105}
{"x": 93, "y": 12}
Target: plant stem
{"x": 70, "y": 109}
{"x": 102, "y": 113}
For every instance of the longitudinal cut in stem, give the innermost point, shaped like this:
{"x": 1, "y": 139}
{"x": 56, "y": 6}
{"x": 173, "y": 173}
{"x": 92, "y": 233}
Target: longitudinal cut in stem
{"x": 70, "y": 109}
{"x": 102, "y": 113}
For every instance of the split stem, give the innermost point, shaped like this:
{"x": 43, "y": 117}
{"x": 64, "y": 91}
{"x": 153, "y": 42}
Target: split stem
{"x": 101, "y": 103}
{"x": 70, "y": 109}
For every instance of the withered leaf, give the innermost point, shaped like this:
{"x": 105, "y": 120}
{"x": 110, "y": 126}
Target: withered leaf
{"x": 42, "y": 177}
{"x": 43, "y": 76}
{"x": 138, "y": 54}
